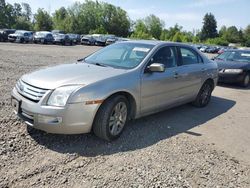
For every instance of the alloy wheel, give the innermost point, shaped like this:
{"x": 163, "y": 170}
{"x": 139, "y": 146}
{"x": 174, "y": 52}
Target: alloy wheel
{"x": 118, "y": 118}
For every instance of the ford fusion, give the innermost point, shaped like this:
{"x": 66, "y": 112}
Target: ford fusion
{"x": 105, "y": 90}
{"x": 234, "y": 67}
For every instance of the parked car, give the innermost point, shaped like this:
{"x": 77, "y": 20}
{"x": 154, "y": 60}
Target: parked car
{"x": 76, "y": 39}
{"x": 100, "y": 40}
{"x": 88, "y": 40}
{"x": 43, "y": 37}
{"x": 123, "y": 81}
{"x": 110, "y": 40}
{"x": 62, "y": 39}
{"x": 203, "y": 49}
{"x": 4, "y": 34}
{"x": 57, "y": 32}
{"x": 212, "y": 49}
{"x": 21, "y": 36}
{"x": 234, "y": 67}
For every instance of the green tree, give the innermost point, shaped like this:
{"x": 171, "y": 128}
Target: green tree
{"x": 154, "y": 26}
{"x": 222, "y": 31}
{"x": 43, "y": 21}
{"x": 247, "y": 36}
{"x": 232, "y": 35}
{"x": 141, "y": 31}
{"x": 60, "y": 18}
{"x": 173, "y": 31}
{"x": 209, "y": 29}
{"x": 177, "y": 37}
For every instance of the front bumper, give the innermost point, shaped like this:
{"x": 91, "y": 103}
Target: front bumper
{"x": 74, "y": 118}
{"x": 230, "y": 77}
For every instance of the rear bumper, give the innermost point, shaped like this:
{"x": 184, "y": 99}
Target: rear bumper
{"x": 72, "y": 119}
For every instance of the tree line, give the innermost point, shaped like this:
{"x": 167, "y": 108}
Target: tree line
{"x": 104, "y": 18}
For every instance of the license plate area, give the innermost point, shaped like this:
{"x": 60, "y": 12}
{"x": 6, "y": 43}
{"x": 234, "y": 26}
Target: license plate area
{"x": 16, "y": 104}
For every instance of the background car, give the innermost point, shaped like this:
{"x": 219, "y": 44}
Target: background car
{"x": 111, "y": 39}
{"x": 57, "y": 32}
{"x": 100, "y": 40}
{"x": 234, "y": 67}
{"x": 76, "y": 38}
{"x": 62, "y": 39}
{"x": 43, "y": 37}
{"x": 88, "y": 40}
{"x": 203, "y": 49}
{"x": 21, "y": 36}
{"x": 4, "y": 33}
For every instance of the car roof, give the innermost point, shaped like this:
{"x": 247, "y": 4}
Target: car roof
{"x": 157, "y": 42}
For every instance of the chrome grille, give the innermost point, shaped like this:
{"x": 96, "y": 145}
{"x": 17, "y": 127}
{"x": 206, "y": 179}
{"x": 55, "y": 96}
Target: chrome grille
{"x": 30, "y": 92}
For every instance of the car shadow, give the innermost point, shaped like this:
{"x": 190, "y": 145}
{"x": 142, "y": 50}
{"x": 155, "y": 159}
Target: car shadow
{"x": 233, "y": 86}
{"x": 138, "y": 134}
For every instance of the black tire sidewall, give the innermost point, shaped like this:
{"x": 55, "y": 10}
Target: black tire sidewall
{"x": 103, "y": 116}
{"x": 198, "y": 100}
{"x": 243, "y": 82}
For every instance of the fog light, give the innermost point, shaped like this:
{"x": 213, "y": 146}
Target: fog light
{"x": 49, "y": 119}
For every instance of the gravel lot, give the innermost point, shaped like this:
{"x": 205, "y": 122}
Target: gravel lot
{"x": 181, "y": 147}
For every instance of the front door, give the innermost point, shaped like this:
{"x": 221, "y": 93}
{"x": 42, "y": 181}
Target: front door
{"x": 159, "y": 89}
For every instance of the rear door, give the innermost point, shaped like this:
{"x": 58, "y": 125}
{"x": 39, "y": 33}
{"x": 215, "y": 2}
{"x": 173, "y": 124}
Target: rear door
{"x": 190, "y": 72}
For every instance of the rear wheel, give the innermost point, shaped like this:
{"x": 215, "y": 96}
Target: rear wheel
{"x": 246, "y": 80}
{"x": 111, "y": 118}
{"x": 204, "y": 95}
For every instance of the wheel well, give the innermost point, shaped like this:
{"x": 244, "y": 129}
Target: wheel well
{"x": 210, "y": 81}
{"x": 131, "y": 100}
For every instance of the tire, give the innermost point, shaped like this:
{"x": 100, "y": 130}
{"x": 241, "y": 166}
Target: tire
{"x": 246, "y": 80}
{"x": 111, "y": 118}
{"x": 21, "y": 40}
{"x": 204, "y": 95}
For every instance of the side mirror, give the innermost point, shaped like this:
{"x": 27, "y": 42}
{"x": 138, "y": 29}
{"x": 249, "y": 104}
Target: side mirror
{"x": 156, "y": 67}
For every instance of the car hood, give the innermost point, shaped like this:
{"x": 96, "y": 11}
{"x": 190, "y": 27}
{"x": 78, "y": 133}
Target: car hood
{"x": 70, "y": 74}
{"x": 15, "y": 35}
{"x": 232, "y": 65}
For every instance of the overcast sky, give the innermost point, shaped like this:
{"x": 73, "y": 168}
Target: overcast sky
{"x": 187, "y": 13}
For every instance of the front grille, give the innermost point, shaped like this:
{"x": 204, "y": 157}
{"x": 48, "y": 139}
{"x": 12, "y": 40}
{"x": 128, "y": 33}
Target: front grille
{"x": 30, "y": 92}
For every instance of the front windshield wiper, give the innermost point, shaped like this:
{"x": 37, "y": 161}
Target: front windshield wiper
{"x": 100, "y": 64}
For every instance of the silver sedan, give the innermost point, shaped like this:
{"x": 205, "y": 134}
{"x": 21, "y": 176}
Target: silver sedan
{"x": 105, "y": 90}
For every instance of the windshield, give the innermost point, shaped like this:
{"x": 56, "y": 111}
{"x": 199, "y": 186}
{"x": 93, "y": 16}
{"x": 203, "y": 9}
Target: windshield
{"x": 242, "y": 56}
{"x": 19, "y": 32}
{"x": 121, "y": 55}
{"x": 40, "y": 34}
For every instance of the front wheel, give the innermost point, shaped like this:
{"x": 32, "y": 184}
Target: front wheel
{"x": 111, "y": 118}
{"x": 204, "y": 95}
{"x": 246, "y": 80}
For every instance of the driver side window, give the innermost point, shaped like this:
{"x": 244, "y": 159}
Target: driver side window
{"x": 165, "y": 56}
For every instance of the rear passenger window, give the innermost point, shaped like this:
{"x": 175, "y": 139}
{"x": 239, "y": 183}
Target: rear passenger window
{"x": 189, "y": 57}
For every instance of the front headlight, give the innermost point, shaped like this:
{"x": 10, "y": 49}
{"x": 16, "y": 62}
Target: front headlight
{"x": 233, "y": 70}
{"x": 60, "y": 95}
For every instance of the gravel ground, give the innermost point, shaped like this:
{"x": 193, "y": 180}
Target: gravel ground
{"x": 155, "y": 151}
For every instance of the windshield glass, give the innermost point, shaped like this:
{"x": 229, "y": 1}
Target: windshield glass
{"x": 242, "y": 56}
{"x": 40, "y": 34}
{"x": 120, "y": 55}
{"x": 19, "y": 32}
